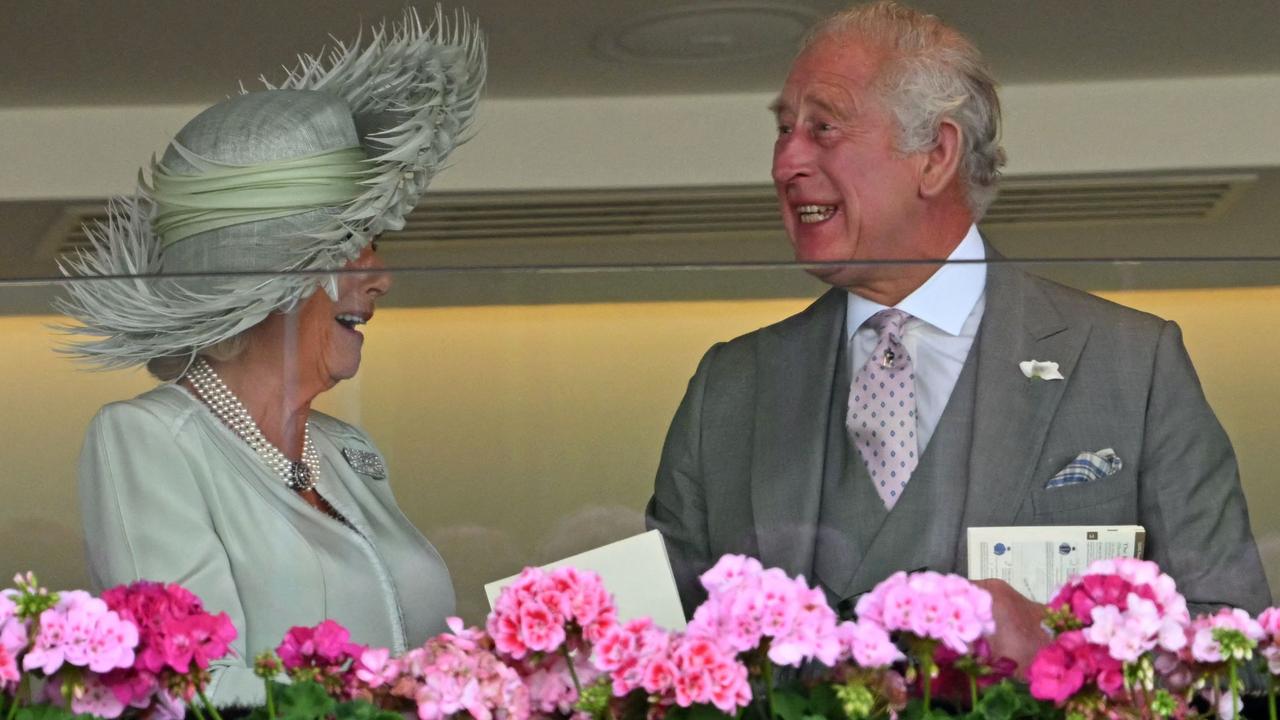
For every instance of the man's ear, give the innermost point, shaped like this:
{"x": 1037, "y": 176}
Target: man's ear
{"x": 942, "y": 163}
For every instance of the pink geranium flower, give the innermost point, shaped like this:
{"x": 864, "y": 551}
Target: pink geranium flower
{"x": 176, "y": 637}
{"x": 1123, "y": 610}
{"x": 1269, "y": 621}
{"x": 457, "y": 673}
{"x": 1206, "y": 648}
{"x": 80, "y": 630}
{"x": 747, "y": 604}
{"x": 947, "y": 608}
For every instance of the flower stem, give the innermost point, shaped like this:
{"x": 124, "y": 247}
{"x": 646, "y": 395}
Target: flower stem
{"x": 195, "y": 708}
{"x": 271, "y": 698}
{"x": 768, "y": 686}
{"x": 1271, "y": 695}
{"x": 22, "y": 690}
{"x": 926, "y": 669}
{"x": 564, "y": 651}
{"x": 973, "y": 692}
{"x": 208, "y": 705}
{"x": 1235, "y": 687}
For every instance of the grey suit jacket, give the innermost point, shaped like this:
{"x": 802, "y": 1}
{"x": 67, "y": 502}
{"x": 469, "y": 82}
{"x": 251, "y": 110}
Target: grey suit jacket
{"x": 751, "y": 445}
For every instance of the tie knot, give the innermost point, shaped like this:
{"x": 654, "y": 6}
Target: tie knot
{"x": 889, "y": 322}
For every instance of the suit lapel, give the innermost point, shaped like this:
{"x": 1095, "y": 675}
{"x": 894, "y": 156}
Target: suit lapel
{"x": 1012, "y": 413}
{"x": 796, "y": 367}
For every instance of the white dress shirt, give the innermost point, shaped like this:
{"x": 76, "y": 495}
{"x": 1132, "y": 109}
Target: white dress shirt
{"x": 945, "y": 313}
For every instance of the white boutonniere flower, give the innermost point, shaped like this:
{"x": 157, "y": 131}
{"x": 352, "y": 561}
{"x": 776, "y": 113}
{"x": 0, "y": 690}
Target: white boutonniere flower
{"x": 1040, "y": 370}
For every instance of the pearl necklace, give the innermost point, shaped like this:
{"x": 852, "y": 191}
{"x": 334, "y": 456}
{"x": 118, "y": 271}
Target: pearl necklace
{"x": 297, "y": 476}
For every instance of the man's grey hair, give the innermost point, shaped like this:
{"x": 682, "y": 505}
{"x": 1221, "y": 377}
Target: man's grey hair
{"x": 932, "y": 72}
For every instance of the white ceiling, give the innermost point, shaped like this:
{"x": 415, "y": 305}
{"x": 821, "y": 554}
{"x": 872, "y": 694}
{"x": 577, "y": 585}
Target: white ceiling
{"x": 80, "y": 52}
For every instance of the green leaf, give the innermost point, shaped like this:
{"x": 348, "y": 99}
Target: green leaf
{"x": 45, "y": 712}
{"x": 790, "y": 705}
{"x": 363, "y": 710}
{"x": 823, "y": 701}
{"x": 703, "y": 712}
{"x": 304, "y": 701}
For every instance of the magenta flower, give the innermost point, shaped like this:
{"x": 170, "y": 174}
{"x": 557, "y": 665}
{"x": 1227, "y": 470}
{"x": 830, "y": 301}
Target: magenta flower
{"x": 9, "y": 673}
{"x": 175, "y": 637}
{"x": 326, "y": 645}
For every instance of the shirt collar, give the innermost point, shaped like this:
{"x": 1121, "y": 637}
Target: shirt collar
{"x": 945, "y": 299}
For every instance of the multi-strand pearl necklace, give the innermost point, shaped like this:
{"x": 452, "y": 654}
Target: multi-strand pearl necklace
{"x": 298, "y": 476}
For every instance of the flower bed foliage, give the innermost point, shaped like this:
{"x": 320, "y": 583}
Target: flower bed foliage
{"x": 763, "y": 645}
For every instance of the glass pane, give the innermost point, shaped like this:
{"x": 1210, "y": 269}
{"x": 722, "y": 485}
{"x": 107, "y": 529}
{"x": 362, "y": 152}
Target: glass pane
{"x": 522, "y": 411}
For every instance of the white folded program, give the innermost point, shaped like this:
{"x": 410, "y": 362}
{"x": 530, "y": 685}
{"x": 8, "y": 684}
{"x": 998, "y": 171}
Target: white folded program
{"x": 1038, "y": 559}
{"x": 635, "y": 570}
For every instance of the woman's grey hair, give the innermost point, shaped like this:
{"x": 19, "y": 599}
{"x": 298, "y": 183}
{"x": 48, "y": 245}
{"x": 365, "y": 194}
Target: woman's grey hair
{"x": 933, "y": 72}
{"x": 169, "y": 368}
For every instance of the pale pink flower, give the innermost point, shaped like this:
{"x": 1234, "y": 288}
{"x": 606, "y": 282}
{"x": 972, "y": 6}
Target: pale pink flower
{"x": 1269, "y": 620}
{"x": 452, "y": 674}
{"x": 729, "y": 571}
{"x": 1205, "y": 648}
{"x": 868, "y": 644}
{"x": 947, "y": 608}
{"x": 375, "y": 668}
{"x": 747, "y": 604}
{"x": 95, "y": 698}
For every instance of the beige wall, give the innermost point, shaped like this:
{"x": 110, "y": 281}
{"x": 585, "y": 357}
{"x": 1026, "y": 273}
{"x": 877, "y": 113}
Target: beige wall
{"x": 517, "y": 434}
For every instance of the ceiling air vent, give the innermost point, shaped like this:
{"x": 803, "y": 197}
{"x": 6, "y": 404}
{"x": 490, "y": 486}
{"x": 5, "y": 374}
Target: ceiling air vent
{"x": 475, "y": 217}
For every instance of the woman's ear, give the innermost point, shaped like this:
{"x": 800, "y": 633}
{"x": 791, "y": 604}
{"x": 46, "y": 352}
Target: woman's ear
{"x": 942, "y": 163}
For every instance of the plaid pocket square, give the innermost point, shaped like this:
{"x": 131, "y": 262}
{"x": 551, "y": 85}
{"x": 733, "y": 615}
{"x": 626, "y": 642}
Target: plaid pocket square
{"x": 1087, "y": 467}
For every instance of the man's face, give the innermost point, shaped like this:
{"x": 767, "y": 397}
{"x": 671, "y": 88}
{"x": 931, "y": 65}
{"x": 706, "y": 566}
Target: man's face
{"x": 845, "y": 192}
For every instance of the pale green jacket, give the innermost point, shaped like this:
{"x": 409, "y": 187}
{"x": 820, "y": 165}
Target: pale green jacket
{"x": 169, "y": 493}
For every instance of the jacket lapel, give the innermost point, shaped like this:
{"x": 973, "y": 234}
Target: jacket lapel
{"x": 1012, "y": 413}
{"x": 796, "y": 367}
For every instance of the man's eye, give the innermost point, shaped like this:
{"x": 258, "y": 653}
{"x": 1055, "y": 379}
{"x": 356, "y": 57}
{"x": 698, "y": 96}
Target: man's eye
{"x": 825, "y": 127}
{"x": 784, "y": 129}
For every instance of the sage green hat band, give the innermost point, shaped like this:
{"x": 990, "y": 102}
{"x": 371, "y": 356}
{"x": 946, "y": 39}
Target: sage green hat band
{"x": 224, "y": 195}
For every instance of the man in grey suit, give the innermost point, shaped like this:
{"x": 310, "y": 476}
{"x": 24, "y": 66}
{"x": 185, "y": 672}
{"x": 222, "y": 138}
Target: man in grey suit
{"x": 887, "y": 154}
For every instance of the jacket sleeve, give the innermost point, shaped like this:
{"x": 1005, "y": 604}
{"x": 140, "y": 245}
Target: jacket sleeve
{"x": 145, "y": 517}
{"x": 678, "y": 507}
{"x": 1191, "y": 500}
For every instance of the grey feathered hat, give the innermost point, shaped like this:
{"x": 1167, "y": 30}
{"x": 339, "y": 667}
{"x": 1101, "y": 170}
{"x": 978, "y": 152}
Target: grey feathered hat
{"x": 259, "y": 193}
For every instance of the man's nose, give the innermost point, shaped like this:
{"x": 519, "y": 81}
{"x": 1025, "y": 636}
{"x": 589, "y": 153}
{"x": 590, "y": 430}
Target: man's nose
{"x": 792, "y": 158}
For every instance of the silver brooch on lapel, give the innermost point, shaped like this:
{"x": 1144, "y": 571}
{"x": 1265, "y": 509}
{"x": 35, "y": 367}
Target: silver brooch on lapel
{"x": 365, "y": 463}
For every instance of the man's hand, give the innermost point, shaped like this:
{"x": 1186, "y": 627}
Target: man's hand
{"x": 1019, "y": 633}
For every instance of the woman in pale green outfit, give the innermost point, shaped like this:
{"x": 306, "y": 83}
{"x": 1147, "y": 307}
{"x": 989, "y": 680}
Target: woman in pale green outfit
{"x": 223, "y": 479}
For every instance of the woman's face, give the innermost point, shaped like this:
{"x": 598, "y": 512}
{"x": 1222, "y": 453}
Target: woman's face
{"x": 328, "y": 338}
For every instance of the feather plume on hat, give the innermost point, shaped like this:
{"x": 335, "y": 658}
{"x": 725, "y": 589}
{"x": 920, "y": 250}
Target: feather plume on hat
{"x": 212, "y": 245}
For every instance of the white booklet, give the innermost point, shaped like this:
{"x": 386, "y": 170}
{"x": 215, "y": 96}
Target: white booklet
{"x": 636, "y": 570}
{"x": 1037, "y": 560}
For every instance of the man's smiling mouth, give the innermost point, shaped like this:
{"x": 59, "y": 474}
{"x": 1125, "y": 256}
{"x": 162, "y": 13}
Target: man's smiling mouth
{"x": 815, "y": 213}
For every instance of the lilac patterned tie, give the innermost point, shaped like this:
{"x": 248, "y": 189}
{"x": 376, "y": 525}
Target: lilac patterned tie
{"x": 882, "y": 409}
